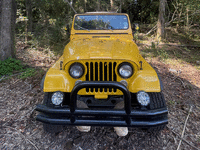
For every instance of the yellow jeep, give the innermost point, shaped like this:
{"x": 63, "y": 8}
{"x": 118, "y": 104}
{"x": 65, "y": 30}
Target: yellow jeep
{"x": 101, "y": 66}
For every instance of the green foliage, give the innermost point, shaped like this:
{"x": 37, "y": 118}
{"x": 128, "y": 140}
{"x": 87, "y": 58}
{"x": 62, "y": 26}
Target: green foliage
{"x": 155, "y": 51}
{"x": 141, "y": 11}
{"x": 9, "y": 65}
{"x": 51, "y": 16}
{"x": 30, "y": 72}
{"x": 181, "y": 9}
{"x": 162, "y": 54}
{"x": 13, "y": 66}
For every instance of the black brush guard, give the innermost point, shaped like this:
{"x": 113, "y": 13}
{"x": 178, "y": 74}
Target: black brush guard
{"x": 127, "y": 117}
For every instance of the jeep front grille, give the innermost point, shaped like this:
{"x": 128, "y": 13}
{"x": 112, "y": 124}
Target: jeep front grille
{"x": 101, "y": 71}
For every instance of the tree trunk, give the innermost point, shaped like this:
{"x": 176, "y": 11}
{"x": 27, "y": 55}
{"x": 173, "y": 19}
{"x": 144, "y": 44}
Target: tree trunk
{"x": 111, "y": 5}
{"x": 120, "y": 6}
{"x": 161, "y": 21}
{"x": 85, "y": 2}
{"x": 187, "y": 20}
{"x": 0, "y": 24}
{"x": 98, "y": 5}
{"x": 29, "y": 15}
{"x": 7, "y": 28}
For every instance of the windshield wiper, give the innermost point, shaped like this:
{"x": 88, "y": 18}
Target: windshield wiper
{"x": 82, "y": 27}
{"x": 106, "y": 28}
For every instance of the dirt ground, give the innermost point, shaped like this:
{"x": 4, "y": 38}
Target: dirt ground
{"x": 20, "y": 130}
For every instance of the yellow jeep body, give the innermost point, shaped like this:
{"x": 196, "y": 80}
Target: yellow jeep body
{"x": 101, "y": 46}
{"x": 101, "y": 68}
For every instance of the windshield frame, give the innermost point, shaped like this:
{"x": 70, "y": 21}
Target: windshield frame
{"x": 101, "y": 15}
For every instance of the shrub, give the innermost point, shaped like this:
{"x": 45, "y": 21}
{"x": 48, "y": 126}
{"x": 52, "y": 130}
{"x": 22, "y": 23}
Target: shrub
{"x": 8, "y": 66}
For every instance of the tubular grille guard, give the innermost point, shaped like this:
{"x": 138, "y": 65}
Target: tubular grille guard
{"x": 100, "y": 84}
{"x": 101, "y": 71}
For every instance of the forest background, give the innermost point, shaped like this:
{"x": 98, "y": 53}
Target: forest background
{"x": 32, "y": 38}
{"x": 42, "y": 22}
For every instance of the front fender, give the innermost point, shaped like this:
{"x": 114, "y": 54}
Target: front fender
{"x": 56, "y": 79}
{"x": 145, "y": 81}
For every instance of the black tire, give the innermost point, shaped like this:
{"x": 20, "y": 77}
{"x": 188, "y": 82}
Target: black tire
{"x": 157, "y": 101}
{"x": 53, "y": 129}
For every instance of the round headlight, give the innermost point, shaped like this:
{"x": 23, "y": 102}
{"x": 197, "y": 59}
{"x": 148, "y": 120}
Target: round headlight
{"x": 57, "y": 98}
{"x": 125, "y": 70}
{"x": 143, "y": 98}
{"x": 76, "y": 70}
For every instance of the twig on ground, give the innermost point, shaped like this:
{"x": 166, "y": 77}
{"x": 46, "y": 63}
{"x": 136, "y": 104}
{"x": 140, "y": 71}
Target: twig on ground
{"x": 181, "y": 82}
{"x": 184, "y": 128}
{"x": 13, "y": 83}
{"x": 154, "y": 28}
{"x": 31, "y": 112}
{"x": 5, "y": 77}
{"x": 2, "y": 78}
{"x": 177, "y": 77}
{"x": 37, "y": 131}
{"x": 172, "y": 44}
{"x": 30, "y": 87}
{"x": 23, "y": 137}
{"x": 184, "y": 140}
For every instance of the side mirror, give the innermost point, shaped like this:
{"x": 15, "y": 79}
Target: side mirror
{"x": 67, "y": 29}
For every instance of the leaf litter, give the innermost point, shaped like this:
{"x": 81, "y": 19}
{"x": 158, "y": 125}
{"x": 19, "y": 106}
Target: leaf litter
{"x": 20, "y": 130}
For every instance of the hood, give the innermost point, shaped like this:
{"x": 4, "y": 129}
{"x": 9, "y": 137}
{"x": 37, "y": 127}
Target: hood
{"x": 101, "y": 48}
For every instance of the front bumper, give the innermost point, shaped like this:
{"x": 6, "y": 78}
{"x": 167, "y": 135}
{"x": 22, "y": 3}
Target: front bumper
{"x": 127, "y": 117}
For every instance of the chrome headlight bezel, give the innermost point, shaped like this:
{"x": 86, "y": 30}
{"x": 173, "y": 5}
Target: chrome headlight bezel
{"x": 125, "y": 64}
{"x": 57, "y": 98}
{"x": 75, "y": 65}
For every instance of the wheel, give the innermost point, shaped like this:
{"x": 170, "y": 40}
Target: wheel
{"x": 157, "y": 101}
{"x": 54, "y": 129}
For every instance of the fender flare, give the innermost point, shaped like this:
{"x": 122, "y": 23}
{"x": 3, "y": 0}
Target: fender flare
{"x": 161, "y": 83}
{"x": 42, "y": 82}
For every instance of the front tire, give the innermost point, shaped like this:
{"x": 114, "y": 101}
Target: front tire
{"x": 157, "y": 102}
{"x": 53, "y": 129}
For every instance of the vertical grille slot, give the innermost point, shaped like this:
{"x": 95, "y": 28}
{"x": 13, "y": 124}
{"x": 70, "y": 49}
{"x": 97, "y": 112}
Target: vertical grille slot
{"x": 101, "y": 74}
{"x": 114, "y": 75}
{"x": 101, "y": 71}
{"x": 91, "y": 74}
{"x": 91, "y": 71}
{"x": 105, "y": 74}
{"x": 110, "y": 75}
{"x": 87, "y": 75}
{"x": 96, "y": 74}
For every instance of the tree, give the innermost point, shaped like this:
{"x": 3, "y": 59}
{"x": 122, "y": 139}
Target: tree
{"x": 161, "y": 21}
{"x": 29, "y": 15}
{"x": 7, "y": 28}
{"x": 111, "y": 5}
{"x": 98, "y": 5}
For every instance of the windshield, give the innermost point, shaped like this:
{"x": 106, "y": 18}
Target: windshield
{"x": 101, "y": 22}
